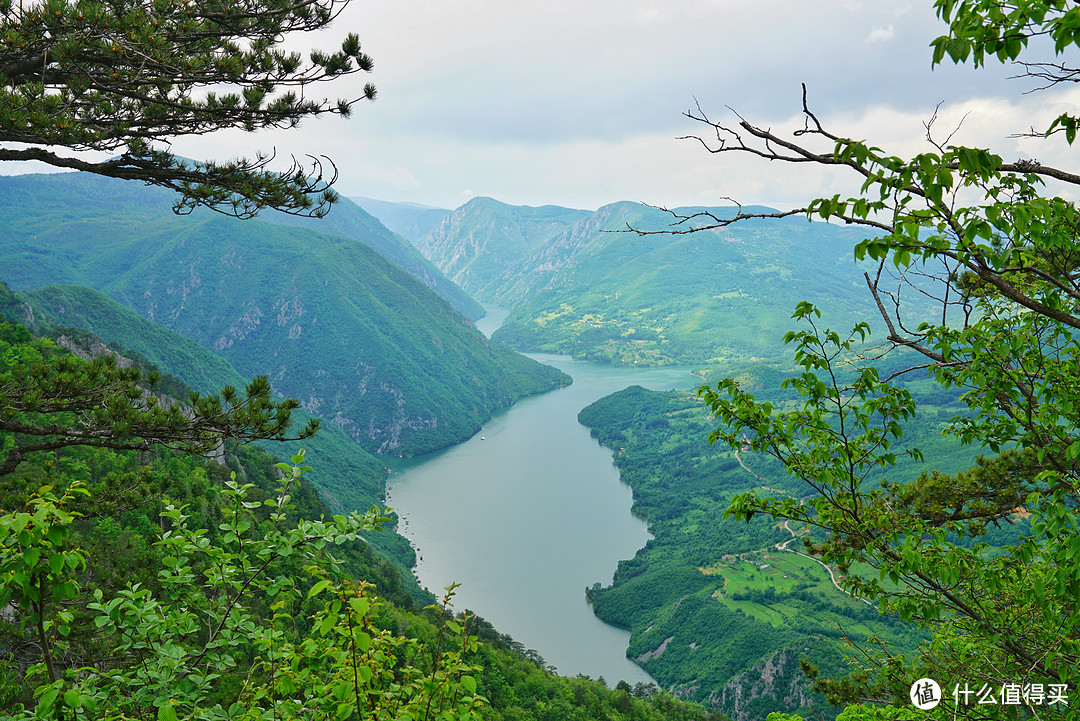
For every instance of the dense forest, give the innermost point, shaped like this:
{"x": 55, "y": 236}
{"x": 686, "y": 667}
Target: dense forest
{"x": 127, "y": 550}
{"x": 722, "y": 598}
{"x": 367, "y": 345}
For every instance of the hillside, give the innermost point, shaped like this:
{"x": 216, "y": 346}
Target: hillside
{"x": 350, "y": 220}
{"x": 482, "y": 242}
{"x": 349, "y": 477}
{"x": 720, "y": 610}
{"x": 411, "y": 221}
{"x": 166, "y": 546}
{"x": 707, "y": 298}
{"x": 358, "y": 341}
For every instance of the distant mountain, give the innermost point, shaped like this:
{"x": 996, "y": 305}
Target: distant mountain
{"x": 357, "y": 340}
{"x": 411, "y": 221}
{"x": 579, "y": 286}
{"x": 95, "y": 198}
{"x": 484, "y": 242}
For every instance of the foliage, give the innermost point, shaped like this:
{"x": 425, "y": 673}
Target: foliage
{"x": 172, "y": 647}
{"x": 52, "y": 400}
{"x": 349, "y": 477}
{"x": 731, "y": 602}
{"x": 998, "y": 253}
{"x": 121, "y": 552}
{"x": 101, "y": 76}
{"x": 107, "y": 517}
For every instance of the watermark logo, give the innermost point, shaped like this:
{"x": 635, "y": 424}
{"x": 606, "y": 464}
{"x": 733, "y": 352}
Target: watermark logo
{"x": 925, "y": 694}
{"x": 1012, "y": 694}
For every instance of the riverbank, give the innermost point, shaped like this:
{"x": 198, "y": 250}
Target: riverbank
{"x": 529, "y": 517}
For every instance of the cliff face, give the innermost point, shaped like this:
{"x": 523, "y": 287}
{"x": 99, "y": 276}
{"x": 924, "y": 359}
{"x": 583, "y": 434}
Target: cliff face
{"x": 775, "y": 683}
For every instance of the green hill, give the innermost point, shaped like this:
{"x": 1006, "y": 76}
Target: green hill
{"x": 358, "y": 341}
{"x": 349, "y": 220}
{"x": 142, "y": 591}
{"x": 719, "y": 610}
{"x": 349, "y": 477}
{"x": 478, "y": 244}
{"x": 706, "y": 298}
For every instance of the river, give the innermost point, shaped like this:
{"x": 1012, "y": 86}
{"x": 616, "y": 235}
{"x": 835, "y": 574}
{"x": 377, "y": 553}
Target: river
{"x": 528, "y": 513}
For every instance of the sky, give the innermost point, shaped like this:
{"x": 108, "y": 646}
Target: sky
{"x": 581, "y": 103}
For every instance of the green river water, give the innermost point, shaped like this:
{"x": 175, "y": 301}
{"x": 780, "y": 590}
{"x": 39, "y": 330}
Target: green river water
{"x": 527, "y": 514}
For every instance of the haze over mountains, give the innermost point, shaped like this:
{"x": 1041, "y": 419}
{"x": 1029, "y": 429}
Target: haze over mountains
{"x": 579, "y": 283}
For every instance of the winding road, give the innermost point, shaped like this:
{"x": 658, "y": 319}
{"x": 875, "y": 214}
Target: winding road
{"x": 784, "y": 546}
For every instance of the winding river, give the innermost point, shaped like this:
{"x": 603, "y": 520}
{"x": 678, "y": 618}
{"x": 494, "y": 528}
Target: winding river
{"x": 528, "y": 513}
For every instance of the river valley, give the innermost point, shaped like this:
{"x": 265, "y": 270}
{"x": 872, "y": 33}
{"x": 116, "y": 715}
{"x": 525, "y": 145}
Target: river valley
{"x": 527, "y": 514}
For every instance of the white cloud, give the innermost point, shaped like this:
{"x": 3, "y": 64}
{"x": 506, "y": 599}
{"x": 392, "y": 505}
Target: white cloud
{"x": 646, "y": 15}
{"x": 578, "y": 103}
{"x": 879, "y": 35}
{"x": 446, "y": 170}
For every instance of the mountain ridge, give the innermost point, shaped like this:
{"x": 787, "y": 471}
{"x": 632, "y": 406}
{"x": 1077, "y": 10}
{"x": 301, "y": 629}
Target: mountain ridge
{"x": 589, "y": 286}
{"x": 333, "y": 323}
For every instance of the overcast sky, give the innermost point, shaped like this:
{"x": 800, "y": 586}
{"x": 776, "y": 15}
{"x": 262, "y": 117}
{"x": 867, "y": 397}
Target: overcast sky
{"x": 579, "y": 102}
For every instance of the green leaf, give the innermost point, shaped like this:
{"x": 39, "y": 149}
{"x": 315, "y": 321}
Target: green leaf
{"x": 318, "y": 588}
{"x": 167, "y": 712}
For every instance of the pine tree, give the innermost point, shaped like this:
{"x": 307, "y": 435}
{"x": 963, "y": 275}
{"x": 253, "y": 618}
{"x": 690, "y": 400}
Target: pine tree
{"x": 125, "y": 76}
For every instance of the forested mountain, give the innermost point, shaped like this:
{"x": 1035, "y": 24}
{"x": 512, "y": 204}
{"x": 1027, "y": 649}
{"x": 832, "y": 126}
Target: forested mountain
{"x": 349, "y": 477}
{"x": 350, "y": 220}
{"x": 358, "y": 341}
{"x": 720, "y": 610}
{"x": 160, "y": 548}
{"x": 411, "y": 221}
{"x": 578, "y": 286}
{"x": 484, "y": 241}
{"x": 91, "y": 196}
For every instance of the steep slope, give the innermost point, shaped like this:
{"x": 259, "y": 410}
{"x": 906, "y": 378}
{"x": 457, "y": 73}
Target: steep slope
{"x": 411, "y": 221}
{"x": 349, "y": 477}
{"x": 478, "y": 244}
{"x": 703, "y": 298}
{"x": 118, "y": 537}
{"x": 88, "y": 196}
{"x": 721, "y": 610}
{"x": 332, "y": 323}
{"x": 349, "y": 220}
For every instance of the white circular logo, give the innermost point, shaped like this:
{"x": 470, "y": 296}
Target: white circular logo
{"x": 925, "y": 694}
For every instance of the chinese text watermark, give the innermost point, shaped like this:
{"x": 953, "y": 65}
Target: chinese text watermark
{"x": 926, "y": 694}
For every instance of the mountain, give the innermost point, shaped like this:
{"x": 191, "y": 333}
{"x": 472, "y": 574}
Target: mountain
{"x": 94, "y": 198}
{"x": 478, "y": 244}
{"x": 411, "y": 221}
{"x": 592, "y": 290}
{"x": 357, "y": 340}
{"x": 168, "y": 581}
{"x": 348, "y": 476}
{"x": 349, "y": 220}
